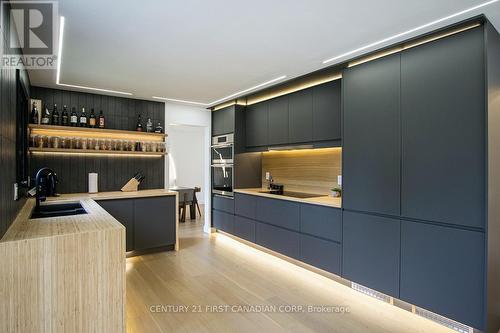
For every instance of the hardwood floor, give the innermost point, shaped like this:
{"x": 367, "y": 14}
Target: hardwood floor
{"x": 212, "y": 270}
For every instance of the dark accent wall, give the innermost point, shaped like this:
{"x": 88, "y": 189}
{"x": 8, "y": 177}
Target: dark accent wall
{"x": 8, "y": 207}
{"x": 114, "y": 171}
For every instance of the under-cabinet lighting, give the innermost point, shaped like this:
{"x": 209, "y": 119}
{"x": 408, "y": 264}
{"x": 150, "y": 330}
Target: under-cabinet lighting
{"x": 95, "y": 154}
{"x": 59, "y": 61}
{"x": 388, "y": 39}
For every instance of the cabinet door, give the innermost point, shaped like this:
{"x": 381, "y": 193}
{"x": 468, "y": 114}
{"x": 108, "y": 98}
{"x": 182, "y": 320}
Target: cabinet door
{"x": 280, "y": 213}
{"x": 224, "y": 204}
{"x": 327, "y": 111}
{"x": 280, "y": 240}
{"x": 442, "y": 270}
{"x": 371, "y": 251}
{"x": 300, "y": 116}
{"x": 256, "y": 117}
{"x": 278, "y": 120}
{"x": 320, "y": 253}
{"x": 223, "y": 221}
{"x": 321, "y": 222}
{"x": 154, "y": 222}
{"x": 371, "y": 137}
{"x": 223, "y": 121}
{"x": 245, "y": 205}
{"x": 123, "y": 211}
{"x": 244, "y": 228}
{"x": 443, "y": 133}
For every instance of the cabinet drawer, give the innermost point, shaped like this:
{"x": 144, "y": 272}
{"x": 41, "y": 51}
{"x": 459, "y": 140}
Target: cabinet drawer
{"x": 223, "y": 204}
{"x": 371, "y": 252}
{"x": 280, "y": 240}
{"x": 442, "y": 270}
{"x": 245, "y": 205}
{"x": 322, "y": 222}
{"x": 223, "y": 221}
{"x": 244, "y": 228}
{"x": 321, "y": 253}
{"x": 280, "y": 213}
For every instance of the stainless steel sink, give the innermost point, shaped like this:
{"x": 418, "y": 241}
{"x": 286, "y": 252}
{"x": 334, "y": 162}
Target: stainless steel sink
{"x": 54, "y": 210}
{"x": 300, "y": 195}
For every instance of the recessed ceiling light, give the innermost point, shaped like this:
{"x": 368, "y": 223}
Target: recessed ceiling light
{"x": 224, "y": 98}
{"x": 409, "y": 31}
{"x": 59, "y": 60}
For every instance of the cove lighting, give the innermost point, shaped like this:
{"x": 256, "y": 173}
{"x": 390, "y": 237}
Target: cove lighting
{"x": 263, "y": 84}
{"x": 59, "y": 61}
{"x": 409, "y": 31}
{"x": 62, "y": 153}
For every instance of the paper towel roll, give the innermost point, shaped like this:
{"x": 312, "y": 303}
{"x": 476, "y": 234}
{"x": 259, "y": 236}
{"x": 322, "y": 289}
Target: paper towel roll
{"x": 93, "y": 182}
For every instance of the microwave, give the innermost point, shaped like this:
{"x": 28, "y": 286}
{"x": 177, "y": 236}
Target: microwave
{"x": 223, "y": 149}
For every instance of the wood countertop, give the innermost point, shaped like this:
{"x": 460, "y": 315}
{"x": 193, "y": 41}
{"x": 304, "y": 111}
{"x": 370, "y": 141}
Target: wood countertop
{"x": 323, "y": 200}
{"x": 114, "y": 195}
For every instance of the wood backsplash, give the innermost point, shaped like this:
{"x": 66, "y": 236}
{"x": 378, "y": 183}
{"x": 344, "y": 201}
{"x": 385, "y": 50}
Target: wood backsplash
{"x": 308, "y": 170}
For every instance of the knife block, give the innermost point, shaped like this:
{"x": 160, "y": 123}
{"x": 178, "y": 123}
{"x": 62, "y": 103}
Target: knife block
{"x": 131, "y": 186}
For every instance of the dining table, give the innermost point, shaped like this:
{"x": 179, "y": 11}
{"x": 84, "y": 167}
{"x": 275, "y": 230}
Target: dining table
{"x": 186, "y": 196}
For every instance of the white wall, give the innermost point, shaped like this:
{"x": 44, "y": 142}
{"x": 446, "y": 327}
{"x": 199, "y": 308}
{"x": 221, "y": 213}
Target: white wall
{"x": 181, "y": 123}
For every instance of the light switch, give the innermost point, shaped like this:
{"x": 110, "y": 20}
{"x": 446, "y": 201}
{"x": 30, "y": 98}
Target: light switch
{"x": 339, "y": 180}
{"x": 16, "y": 192}
{"x": 268, "y": 175}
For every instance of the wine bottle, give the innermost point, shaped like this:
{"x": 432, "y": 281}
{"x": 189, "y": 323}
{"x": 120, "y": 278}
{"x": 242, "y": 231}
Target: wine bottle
{"x": 159, "y": 128}
{"x": 45, "y": 116}
{"x": 139, "y": 124}
{"x": 83, "y": 118}
{"x": 65, "y": 117}
{"x": 34, "y": 114}
{"x": 92, "y": 120}
{"x": 102, "y": 120}
{"x": 73, "y": 119}
{"x": 56, "y": 120}
{"x": 149, "y": 126}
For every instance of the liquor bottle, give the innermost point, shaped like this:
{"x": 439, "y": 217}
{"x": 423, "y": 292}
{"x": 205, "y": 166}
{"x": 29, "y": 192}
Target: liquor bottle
{"x": 56, "y": 120}
{"x": 45, "y": 116}
{"x": 73, "y": 119}
{"x": 34, "y": 114}
{"x": 149, "y": 126}
{"x": 65, "y": 117}
{"x": 159, "y": 128}
{"x": 139, "y": 124}
{"x": 92, "y": 120}
{"x": 83, "y": 118}
{"x": 102, "y": 120}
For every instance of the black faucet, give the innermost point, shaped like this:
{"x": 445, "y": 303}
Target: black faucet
{"x": 40, "y": 191}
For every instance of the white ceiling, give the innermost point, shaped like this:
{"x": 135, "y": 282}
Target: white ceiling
{"x": 202, "y": 51}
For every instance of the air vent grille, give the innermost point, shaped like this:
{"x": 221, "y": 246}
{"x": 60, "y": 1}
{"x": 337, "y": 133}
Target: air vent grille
{"x": 443, "y": 321}
{"x": 371, "y": 292}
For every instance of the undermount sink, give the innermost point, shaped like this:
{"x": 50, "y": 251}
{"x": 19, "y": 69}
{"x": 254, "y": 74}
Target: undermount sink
{"x": 300, "y": 195}
{"x": 54, "y": 210}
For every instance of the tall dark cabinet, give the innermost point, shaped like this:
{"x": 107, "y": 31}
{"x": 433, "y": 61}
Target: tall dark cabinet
{"x": 371, "y": 142}
{"x": 326, "y": 111}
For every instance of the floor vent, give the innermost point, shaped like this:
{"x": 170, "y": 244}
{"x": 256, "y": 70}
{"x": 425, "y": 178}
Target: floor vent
{"x": 443, "y": 321}
{"x": 371, "y": 292}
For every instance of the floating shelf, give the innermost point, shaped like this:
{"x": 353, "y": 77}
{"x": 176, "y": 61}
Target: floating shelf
{"x": 64, "y": 151}
{"x": 101, "y": 133}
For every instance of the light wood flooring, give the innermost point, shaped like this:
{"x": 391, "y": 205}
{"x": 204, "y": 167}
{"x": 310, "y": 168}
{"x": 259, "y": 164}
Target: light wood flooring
{"x": 212, "y": 270}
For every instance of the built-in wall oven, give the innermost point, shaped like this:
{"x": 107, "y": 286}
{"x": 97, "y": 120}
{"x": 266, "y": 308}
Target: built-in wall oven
{"x": 222, "y": 164}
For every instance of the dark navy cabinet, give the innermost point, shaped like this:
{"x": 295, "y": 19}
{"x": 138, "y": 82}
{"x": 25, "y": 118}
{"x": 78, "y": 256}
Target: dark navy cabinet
{"x": 281, "y": 213}
{"x": 319, "y": 221}
{"x": 277, "y": 239}
{"x": 326, "y": 115}
{"x": 300, "y": 116}
{"x": 278, "y": 120}
{"x": 371, "y": 137}
{"x": 223, "y": 120}
{"x": 123, "y": 211}
{"x": 223, "y": 221}
{"x": 442, "y": 270}
{"x": 321, "y": 253}
{"x": 443, "y": 133}
{"x": 245, "y": 205}
{"x": 371, "y": 251}
{"x": 257, "y": 123}
{"x": 225, "y": 204}
{"x": 244, "y": 228}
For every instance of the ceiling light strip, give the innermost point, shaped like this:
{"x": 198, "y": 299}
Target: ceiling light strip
{"x": 411, "y": 45}
{"x": 179, "y": 100}
{"x": 409, "y": 31}
{"x": 62, "y": 21}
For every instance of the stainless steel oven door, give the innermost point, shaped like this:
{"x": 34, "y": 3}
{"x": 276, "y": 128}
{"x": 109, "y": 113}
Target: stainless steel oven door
{"x": 222, "y": 179}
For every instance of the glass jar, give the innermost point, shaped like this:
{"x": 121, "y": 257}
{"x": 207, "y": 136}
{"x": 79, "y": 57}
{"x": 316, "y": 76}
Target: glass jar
{"x": 55, "y": 142}
{"x": 33, "y": 140}
{"x": 85, "y": 142}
